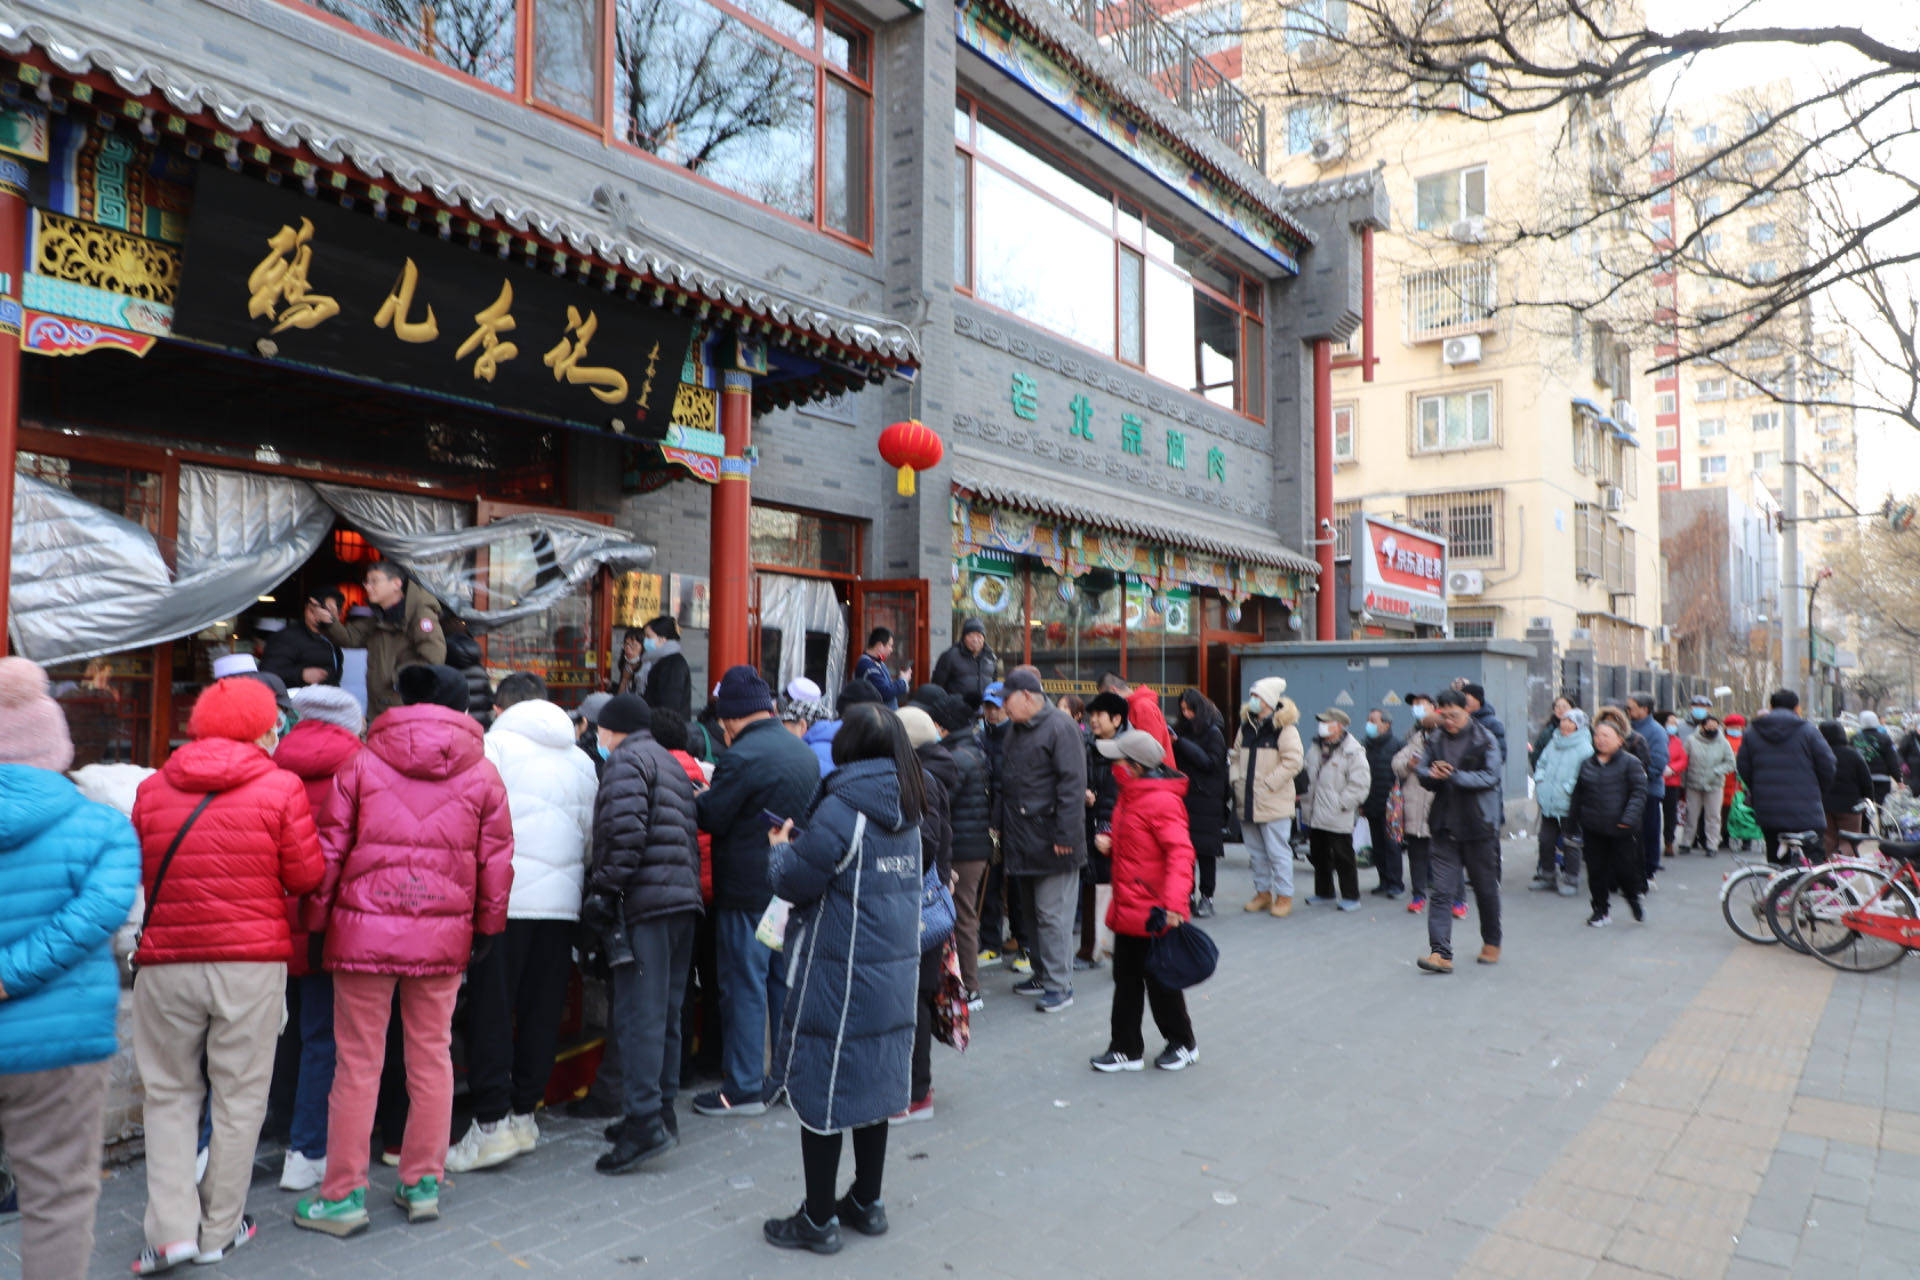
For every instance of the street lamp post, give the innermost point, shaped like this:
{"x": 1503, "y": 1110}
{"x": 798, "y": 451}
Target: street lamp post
{"x": 1813, "y": 594}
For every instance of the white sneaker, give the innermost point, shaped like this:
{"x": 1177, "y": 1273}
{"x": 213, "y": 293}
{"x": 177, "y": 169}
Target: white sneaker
{"x": 300, "y": 1173}
{"x": 526, "y": 1132}
{"x": 482, "y": 1147}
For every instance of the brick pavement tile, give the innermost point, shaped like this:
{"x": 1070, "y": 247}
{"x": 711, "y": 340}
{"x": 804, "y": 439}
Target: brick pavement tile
{"x": 1769, "y": 1245}
{"x": 1838, "y": 1121}
{"x": 1748, "y": 1269}
{"x": 1677, "y": 1259}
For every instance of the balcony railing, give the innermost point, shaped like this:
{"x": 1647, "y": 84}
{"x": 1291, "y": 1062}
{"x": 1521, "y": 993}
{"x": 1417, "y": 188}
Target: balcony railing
{"x": 1449, "y": 301}
{"x": 1179, "y": 67}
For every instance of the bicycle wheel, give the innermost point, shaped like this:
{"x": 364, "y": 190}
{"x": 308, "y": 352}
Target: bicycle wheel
{"x": 1823, "y": 897}
{"x": 1776, "y": 906}
{"x": 1743, "y": 904}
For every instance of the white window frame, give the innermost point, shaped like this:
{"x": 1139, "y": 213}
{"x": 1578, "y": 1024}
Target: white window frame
{"x": 1764, "y": 420}
{"x": 1667, "y": 402}
{"x": 1347, "y": 412}
{"x": 1438, "y": 402}
{"x": 1457, "y": 178}
{"x": 1713, "y": 467}
{"x": 1710, "y": 389}
{"x": 1667, "y": 474}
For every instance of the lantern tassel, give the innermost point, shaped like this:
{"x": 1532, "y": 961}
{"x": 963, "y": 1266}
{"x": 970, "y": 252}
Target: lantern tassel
{"x": 903, "y": 482}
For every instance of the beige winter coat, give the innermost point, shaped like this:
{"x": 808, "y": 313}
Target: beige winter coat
{"x": 1337, "y": 784}
{"x": 1415, "y": 800}
{"x": 1270, "y": 753}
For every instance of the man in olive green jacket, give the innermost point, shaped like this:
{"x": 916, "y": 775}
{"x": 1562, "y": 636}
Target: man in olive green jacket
{"x": 405, "y": 629}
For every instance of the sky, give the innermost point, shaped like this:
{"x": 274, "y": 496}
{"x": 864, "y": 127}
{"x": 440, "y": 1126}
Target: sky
{"x": 1889, "y": 451}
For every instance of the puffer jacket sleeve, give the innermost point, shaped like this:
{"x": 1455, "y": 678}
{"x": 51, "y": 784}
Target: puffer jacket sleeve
{"x": 494, "y": 882}
{"x": 339, "y": 823}
{"x": 1637, "y": 800}
{"x": 1070, "y": 783}
{"x": 620, "y": 821}
{"x": 801, "y": 870}
{"x": 1356, "y": 780}
{"x": 107, "y": 880}
{"x": 301, "y": 864}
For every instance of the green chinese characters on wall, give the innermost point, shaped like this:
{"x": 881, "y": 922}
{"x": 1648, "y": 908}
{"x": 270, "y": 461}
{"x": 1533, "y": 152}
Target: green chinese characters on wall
{"x": 1024, "y": 396}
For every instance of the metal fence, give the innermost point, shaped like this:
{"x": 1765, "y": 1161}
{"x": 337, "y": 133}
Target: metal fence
{"x": 1180, "y": 67}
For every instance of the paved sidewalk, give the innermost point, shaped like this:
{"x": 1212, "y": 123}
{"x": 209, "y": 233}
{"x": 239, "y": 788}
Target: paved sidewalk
{"x": 1658, "y": 1100}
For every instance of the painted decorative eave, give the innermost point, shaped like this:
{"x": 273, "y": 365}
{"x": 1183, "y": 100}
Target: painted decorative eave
{"x": 234, "y": 111}
{"x": 1055, "y": 27}
{"x": 1227, "y": 546}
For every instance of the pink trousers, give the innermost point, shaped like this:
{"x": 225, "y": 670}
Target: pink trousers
{"x": 361, "y": 1005}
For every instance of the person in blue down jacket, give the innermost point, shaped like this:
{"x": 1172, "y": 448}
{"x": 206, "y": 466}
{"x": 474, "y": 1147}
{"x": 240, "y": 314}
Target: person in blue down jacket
{"x": 843, "y": 1056}
{"x": 1786, "y": 767}
{"x": 1556, "y": 769}
{"x": 68, "y": 871}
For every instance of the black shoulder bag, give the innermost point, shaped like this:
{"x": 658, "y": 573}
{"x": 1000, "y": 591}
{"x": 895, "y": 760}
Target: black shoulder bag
{"x": 160, "y": 876}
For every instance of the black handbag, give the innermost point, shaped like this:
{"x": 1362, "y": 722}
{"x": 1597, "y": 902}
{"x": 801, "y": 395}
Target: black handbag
{"x": 1182, "y": 957}
{"x": 160, "y": 876}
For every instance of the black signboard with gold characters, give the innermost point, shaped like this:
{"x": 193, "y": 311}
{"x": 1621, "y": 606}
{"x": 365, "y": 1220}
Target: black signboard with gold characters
{"x": 342, "y": 291}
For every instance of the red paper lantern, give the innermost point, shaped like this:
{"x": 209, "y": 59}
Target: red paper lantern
{"x": 911, "y": 446}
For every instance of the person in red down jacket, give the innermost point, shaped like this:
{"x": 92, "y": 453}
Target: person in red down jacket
{"x": 326, "y": 737}
{"x": 419, "y": 865}
{"x": 1143, "y": 709}
{"x": 1152, "y": 873}
{"x": 213, "y": 962}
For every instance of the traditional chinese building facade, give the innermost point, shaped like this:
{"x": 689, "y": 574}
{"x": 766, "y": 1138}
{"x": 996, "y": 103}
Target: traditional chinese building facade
{"x": 590, "y": 313}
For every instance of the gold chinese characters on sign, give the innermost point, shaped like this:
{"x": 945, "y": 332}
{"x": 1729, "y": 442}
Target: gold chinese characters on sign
{"x": 277, "y": 289}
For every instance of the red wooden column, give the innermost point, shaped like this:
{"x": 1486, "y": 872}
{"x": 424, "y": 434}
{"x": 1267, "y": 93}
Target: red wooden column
{"x": 1323, "y": 624}
{"x": 13, "y": 256}
{"x": 732, "y": 562}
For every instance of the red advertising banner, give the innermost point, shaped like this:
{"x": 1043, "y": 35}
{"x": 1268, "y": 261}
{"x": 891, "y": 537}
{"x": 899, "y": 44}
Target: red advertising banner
{"x": 1399, "y": 573}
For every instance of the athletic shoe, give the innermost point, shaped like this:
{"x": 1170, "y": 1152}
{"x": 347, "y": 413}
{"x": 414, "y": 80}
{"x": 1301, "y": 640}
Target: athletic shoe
{"x": 1417, "y": 904}
{"x": 1639, "y": 912}
{"x": 1651, "y": 886}
{"x": 1031, "y": 987}
{"x": 1541, "y": 883}
{"x": 1459, "y": 911}
{"x": 914, "y": 1114}
{"x": 800, "y": 1232}
{"x": 1056, "y": 1001}
{"x": 634, "y": 1143}
{"x": 335, "y": 1217}
{"x": 525, "y": 1130}
{"x": 1599, "y": 920}
{"x": 152, "y": 1262}
{"x": 421, "y": 1200}
{"x": 716, "y": 1103}
{"x": 1114, "y": 1060}
{"x": 298, "y": 1173}
{"x": 989, "y": 958}
{"x": 1177, "y": 1057}
{"x": 248, "y": 1229}
{"x": 390, "y": 1157}
{"x": 867, "y": 1219}
{"x": 1321, "y": 902}
{"x": 1022, "y": 963}
{"x": 975, "y": 1000}
{"x": 1350, "y": 904}
{"x": 1203, "y": 909}
{"x": 1082, "y": 963}
{"x": 1569, "y": 887}
{"x": 482, "y": 1147}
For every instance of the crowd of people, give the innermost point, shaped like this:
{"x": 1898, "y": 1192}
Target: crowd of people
{"x": 758, "y": 887}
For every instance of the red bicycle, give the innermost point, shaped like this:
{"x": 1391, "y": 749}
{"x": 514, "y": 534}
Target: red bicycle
{"x": 1858, "y": 916}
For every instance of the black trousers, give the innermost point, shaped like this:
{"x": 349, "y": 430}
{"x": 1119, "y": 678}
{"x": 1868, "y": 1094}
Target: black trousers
{"x": 820, "y": 1160}
{"x": 932, "y": 968}
{"x": 1331, "y": 853}
{"x": 1206, "y": 865}
{"x": 1386, "y": 851}
{"x": 1132, "y": 988}
{"x": 515, "y": 996}
{"x": 1670, "y": 809}
{"x": 1419, "y": 868}
{"x": 1615, "y": 863}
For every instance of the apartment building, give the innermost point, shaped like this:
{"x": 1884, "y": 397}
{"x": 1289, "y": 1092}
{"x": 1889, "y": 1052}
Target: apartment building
{"x": 1511, "y": 429}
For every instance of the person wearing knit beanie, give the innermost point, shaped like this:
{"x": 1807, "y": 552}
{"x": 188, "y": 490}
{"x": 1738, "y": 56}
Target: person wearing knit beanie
{"x": 332, "y": 705}
{"x": 68, "y": 871}
{"x": 435, "y": 684}
{"x": 920, "y": 727}
{"x": 743, "y": 693}
{"x": 239, "y": 707}
{"x": 33, "y": 730}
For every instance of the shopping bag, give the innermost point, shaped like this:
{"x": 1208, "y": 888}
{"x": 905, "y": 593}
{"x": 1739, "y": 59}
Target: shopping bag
{"x": 952, "y": 1023}
{"x": 1362, "y": 836}
{"x": 773, "y": 923}
{"x": 1741, "y": 824}
{"x": 1397, "y": 816}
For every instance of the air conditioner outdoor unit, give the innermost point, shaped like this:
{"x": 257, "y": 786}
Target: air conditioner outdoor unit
{"x": 1466, "y": 582}
{"x": 1328, "y": 147}
{"x": 1462, "y": 350}
{"x": 1468, "y": 231}
{"x": 1663, "y": 635}
{"x": 1626, "y": 415}
{"x": 1540, "y": 622}
{"x": 1582, "y": 635}
{"x": 1613, "y": 497}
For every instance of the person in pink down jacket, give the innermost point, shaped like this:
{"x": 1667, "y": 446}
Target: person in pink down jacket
{"x": 419, "y": 863}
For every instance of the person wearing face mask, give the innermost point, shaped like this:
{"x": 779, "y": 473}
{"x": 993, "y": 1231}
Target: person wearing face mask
{"x": 1261, "y": 771}
{"x": 1561, "y": 705}
{"x": 1338, "y": 780}
{"x": 1415, "y": 800}
{"x": 1554, "y": 775}
{"x": 1709, "y": 765}
{"x": 1381, "y": 746}
{"x": 1675, "y": 778}
{"x": 1463, "y": 773}
{"x": 236, "y": 836}
{"x": 1736, "y": 733}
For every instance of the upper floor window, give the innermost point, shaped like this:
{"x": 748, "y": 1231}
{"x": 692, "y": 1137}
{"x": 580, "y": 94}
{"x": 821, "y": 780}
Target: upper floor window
{"x": 1710, "y": 389}
{"x": 1461, "y": 420}
{"x": 770, "y": 99}
{"x": 1308, "y": 22}
{"x": 1760, "y": 233}
{"x": 1767, "y": 420}
{"x": 1665, "y": 438}
{"x": 1307, "y": 124}
{"x": 1343, "y": 433}
{"x": 1668, "y": 474}
{"x": 1712, "y": 429}
{"x": 1706, "y": 135}
{"x": 1061, "y": 250}
{"x": 1667, "y": 402}
{"x": 1764, "y": 270}
{"x": 1443, "y": 199}
{"x": 1709, "y": 207}
{"x": 1711, "y": 469}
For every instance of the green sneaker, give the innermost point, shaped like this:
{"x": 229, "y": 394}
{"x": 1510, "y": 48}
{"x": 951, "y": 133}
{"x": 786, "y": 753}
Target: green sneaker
{"x": 335, "y": 1217}
{"x": 421, "y": 1200}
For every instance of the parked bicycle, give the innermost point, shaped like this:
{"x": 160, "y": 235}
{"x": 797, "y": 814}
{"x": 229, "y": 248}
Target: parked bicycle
{"x": 1747, "y": 900}
{"x": 1861, "y": 915}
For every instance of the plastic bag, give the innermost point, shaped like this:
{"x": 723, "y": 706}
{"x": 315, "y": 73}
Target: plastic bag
{"x": 1741, "y": 824}
{"x": 1362, "y": 836}
{"x": 773, "y": 924}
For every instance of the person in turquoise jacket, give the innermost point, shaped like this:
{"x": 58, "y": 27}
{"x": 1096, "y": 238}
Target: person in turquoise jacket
{"x": 68, "y": 871}
{"x": 1556, "y": 768}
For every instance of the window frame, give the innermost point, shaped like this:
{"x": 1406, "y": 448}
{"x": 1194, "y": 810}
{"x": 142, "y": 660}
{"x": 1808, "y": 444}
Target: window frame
{"x": 1246, "y": 303}
{"x": 1418, "y": 400}
{"x": 1459, "y": 176}
{"x": 1350, "y": 411}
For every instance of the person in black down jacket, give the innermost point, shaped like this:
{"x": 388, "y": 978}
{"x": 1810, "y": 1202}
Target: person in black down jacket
{"x": 1041, "y": 814}
{"x": 1200, "y": 752}
{"x": 1106, "y": 718}
{"x": 843, "y": 1055}
{"x": 966, "y": 669}
{"x": 939, "y": 775}
{"x": 1852, "y": 783}
{"x": 666, "y": 679}
{"x": 765, "y": 769}
{"x": 1786, "y": 767}
{"x": 1608, "y": 800}
{"x": 1381, "y": 748}
{"x": 645, "y": 879}
{"x": 969, "y": 812}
